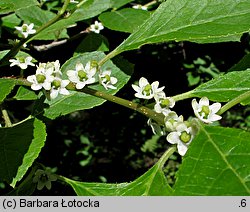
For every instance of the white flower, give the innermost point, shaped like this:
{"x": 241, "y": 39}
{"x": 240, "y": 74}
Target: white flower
{"x": 96, "y": 27}
{"x": 26, "y": 30}
{"x": 106, "y": 80}
{"x": 172, "y": 120}
{"x": 182, "y": 137}
{"x": 206, "y": 112}
{"x": 156, "y": 128}
{"x": 22, "y": 62}
{"x": 82, "y": 75}
{"x": 42, "y": 78}
{"x": 163, "y": 104}
{"x": 58, "y": 86}
{"x": 55, "y": 68}
{"x": 74, "y": 2}
{"x": 147, "y": 91}
{"x": 139, "y": 6}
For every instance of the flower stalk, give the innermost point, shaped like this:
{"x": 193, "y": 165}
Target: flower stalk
{"x": 183, "y": 96}
{"x": 159, "y": 118}
{"x": 234, "y": 102}
{"x": 166, "y": 155}
{"x": 6, "y": 118}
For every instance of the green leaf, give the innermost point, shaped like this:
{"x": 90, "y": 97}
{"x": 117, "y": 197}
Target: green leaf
{"x": 24, "y": 93}
{"x": 199, "y": 21}
{"x": 90, "y": 9}
{"x": 20, "y": 146}
{"x": 119, "y": 3}
{"x": 6, "y": 86}
{"x": 243, "y": 64}
{"x": 7, "y": 6}
{"x": 217, "y": 164}
{"x": 125, "y": 20}
{"x": 35, "y": 15}
{"x": 151, "y": 183}
{"x": 225, "y": 87}
{"x": 63, "y": 105}
{"x": 92, "y": 42}
{"x": 39, "y": 17}
{"x": 10, "y": 21}
{"x": 19, "y": 54}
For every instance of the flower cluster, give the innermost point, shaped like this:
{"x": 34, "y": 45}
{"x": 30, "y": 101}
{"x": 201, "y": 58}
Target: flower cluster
{"x": 89, "y": 74}
{"x": 48, "y": 76}
{"x": 180, "y": 132}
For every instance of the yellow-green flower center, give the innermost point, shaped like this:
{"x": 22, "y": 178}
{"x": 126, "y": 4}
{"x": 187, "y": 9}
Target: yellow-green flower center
{"x": 56, "y": 83}
{"x": 40, "y": 78}
{"x": 185, "y": 137}
{"x": 165, "y": 103}
{"x": 25, "y": 28}
{"x": 107, "y": 77}
{"x": 21, "y": 59}
{"x": 82, "y": 75}
{"x": 93, "y": 64}
{"x": 205, "y": 110}
{"x": 147, "y": 89}
{"x": 172, "y": 121}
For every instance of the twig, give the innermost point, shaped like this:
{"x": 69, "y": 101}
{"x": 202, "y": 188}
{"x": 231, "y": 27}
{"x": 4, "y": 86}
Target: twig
{"x": 6, "y": 118}
{"x": 159, "y": 118}
{"x": 46, "y": 47}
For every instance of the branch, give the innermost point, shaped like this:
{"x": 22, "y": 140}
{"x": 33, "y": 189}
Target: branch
{"x": 46, "y": 47}
{"x": 6, "y": 117}
{"x": 159, "y": 118}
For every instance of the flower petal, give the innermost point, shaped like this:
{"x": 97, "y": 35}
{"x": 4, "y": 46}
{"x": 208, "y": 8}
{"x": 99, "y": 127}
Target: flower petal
{"x": 47, "y": 85}
{"x": 80, "y": 85}
{"x": 136, "y": 88}
{"x": 143, "y": 82}
{"x": 215, "y": 107}
{"x": 173, "y": 138}
{"x": 36, "y": 87}
{"x": 64, "y": 91}
{"x": 204, "y": 101}
{"x": 195, "y": 105}
{"x": 54, "y": 93}
{"x": 182, "y": 148}
{"x": 214, "y": 117}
